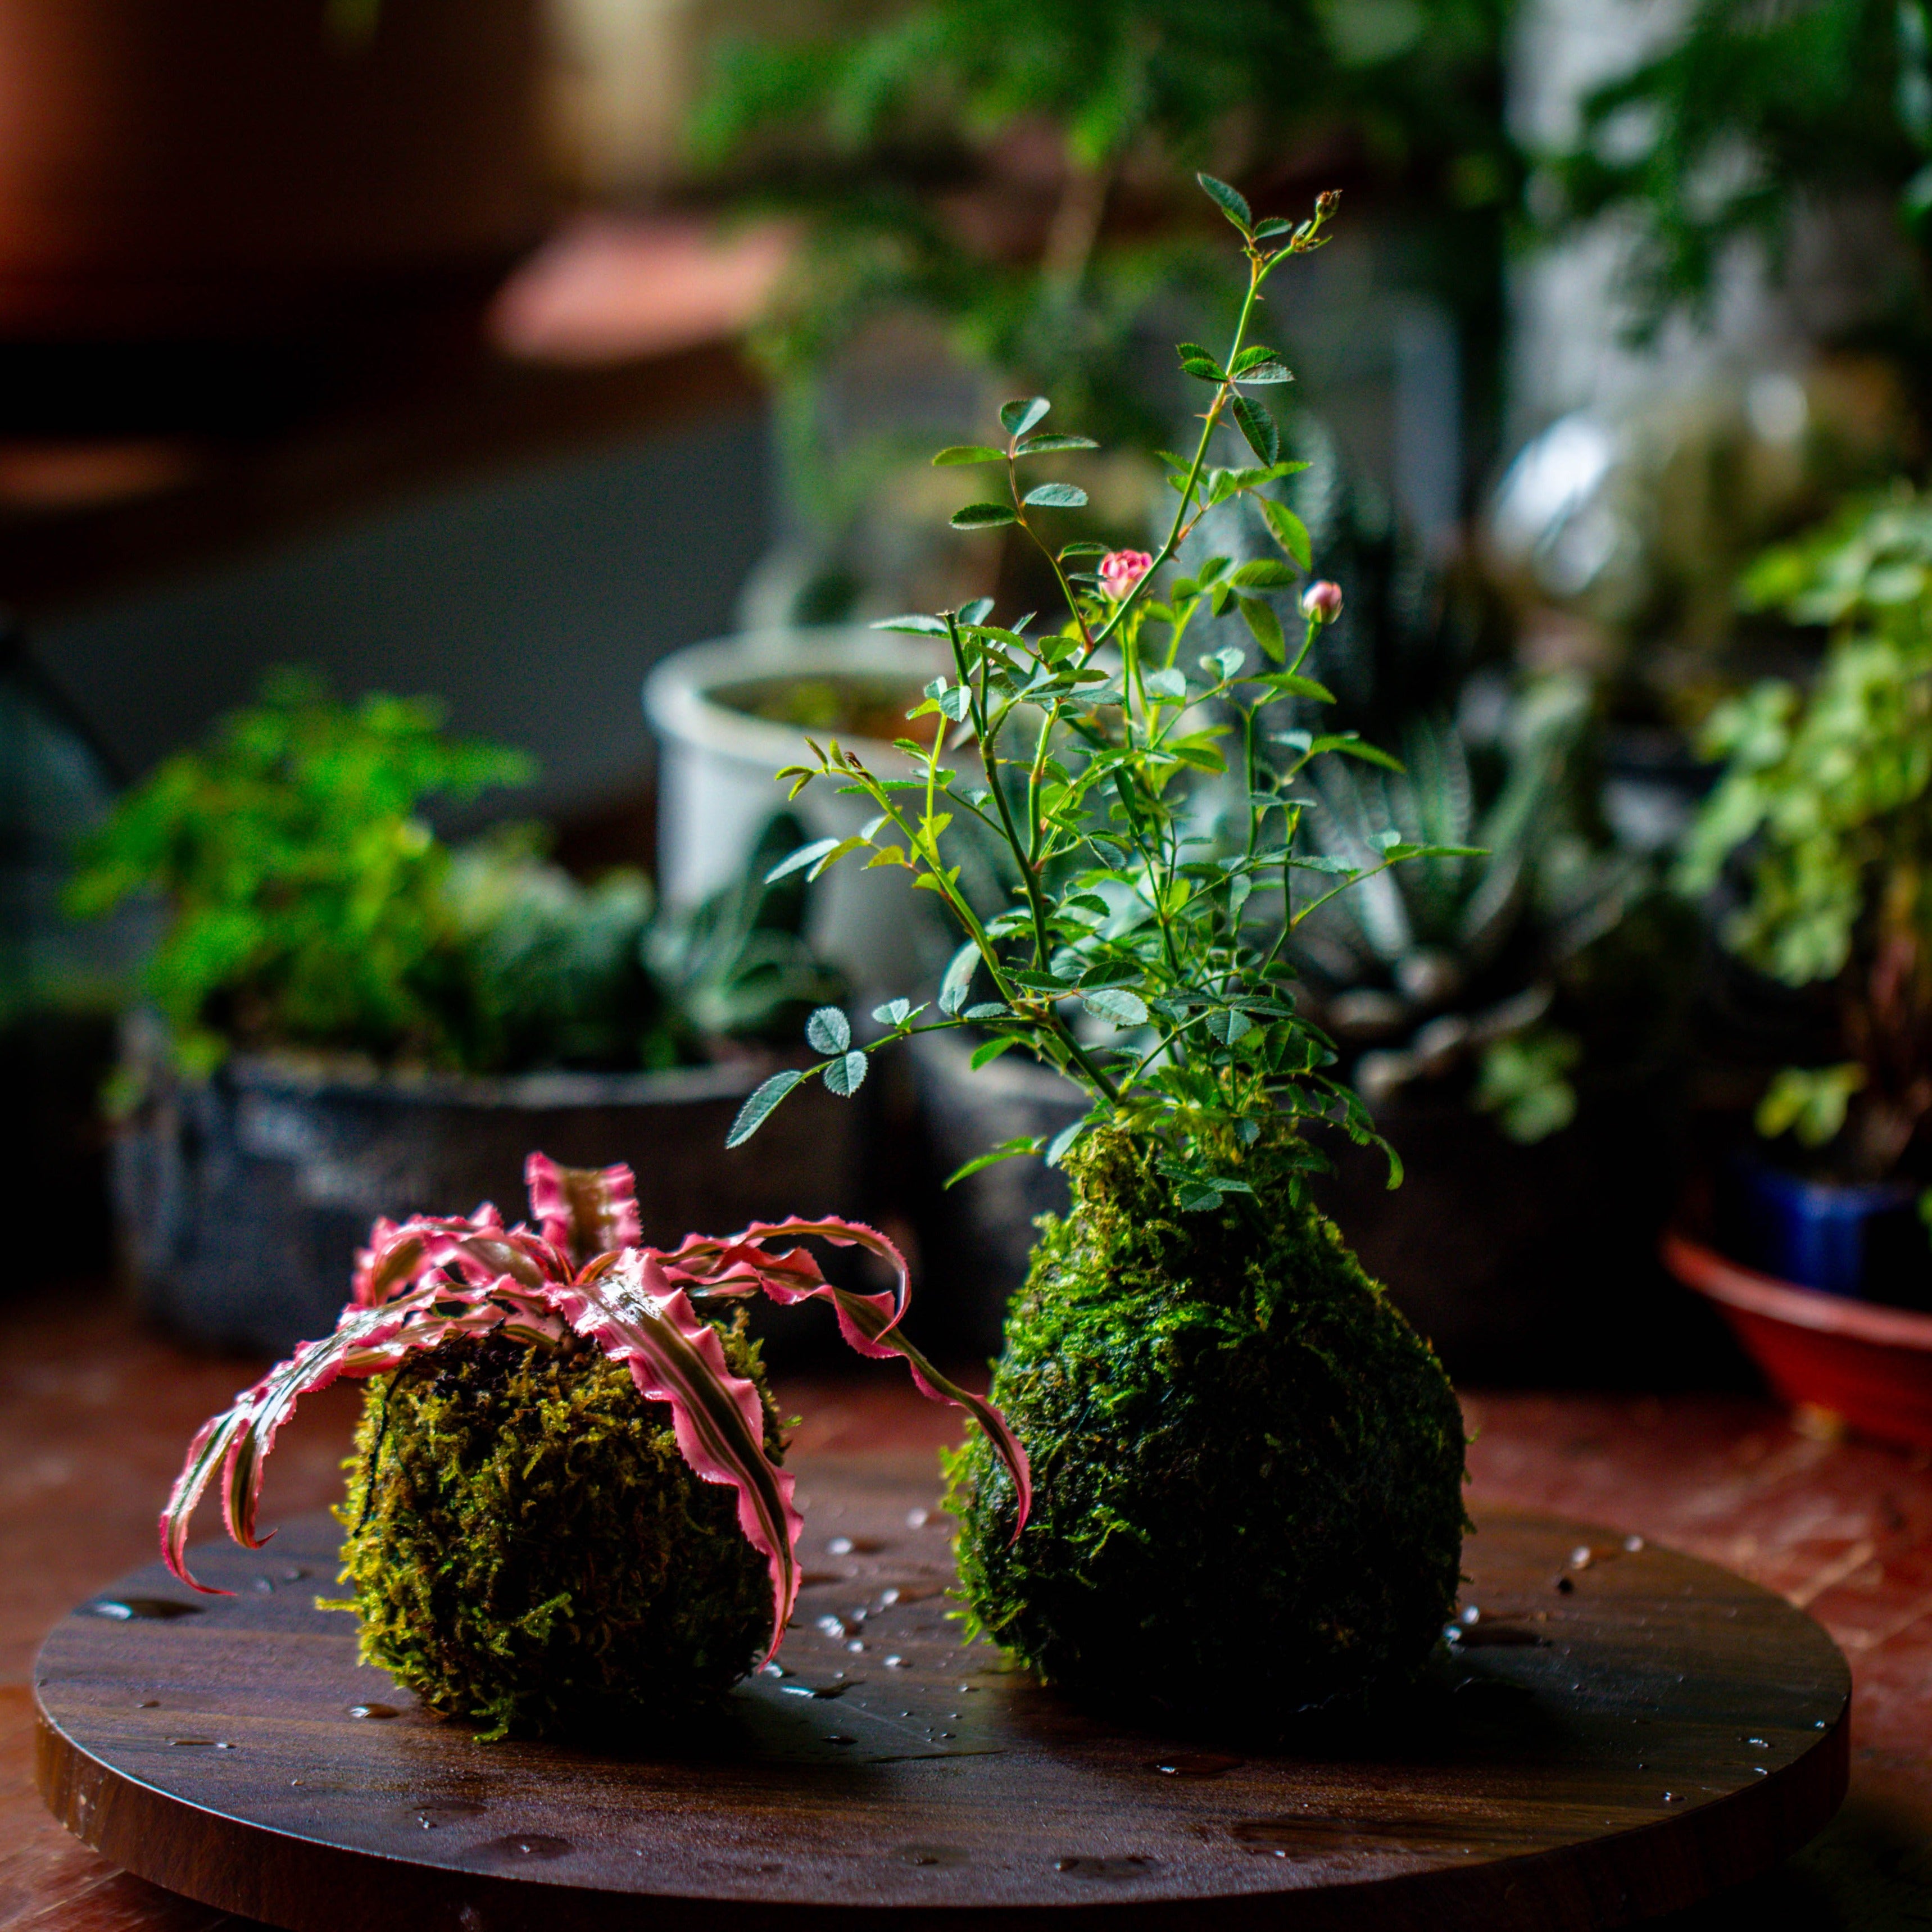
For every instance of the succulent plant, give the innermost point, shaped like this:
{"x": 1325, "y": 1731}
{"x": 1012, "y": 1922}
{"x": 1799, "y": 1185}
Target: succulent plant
{"x": 581, "y": 1273}
{"x": 1450, "y": 962}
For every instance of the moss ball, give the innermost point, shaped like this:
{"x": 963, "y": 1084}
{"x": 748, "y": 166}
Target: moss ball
{"x": 530, "y": 1551}
{"x": 1248, "y": 1466}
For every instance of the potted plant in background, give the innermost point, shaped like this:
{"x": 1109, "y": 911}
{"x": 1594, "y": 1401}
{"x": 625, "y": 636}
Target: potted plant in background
{"x": 1516, "y": 1019}
{"x": 542, "y": 1532}
{"x": 1248, "y": 1459}
{"x": 1822, "y": 820}
{"x": 349, "y": 1018}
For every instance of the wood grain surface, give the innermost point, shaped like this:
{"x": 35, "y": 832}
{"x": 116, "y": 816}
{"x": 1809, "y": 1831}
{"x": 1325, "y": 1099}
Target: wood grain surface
{"x": 1620, "y": 1732}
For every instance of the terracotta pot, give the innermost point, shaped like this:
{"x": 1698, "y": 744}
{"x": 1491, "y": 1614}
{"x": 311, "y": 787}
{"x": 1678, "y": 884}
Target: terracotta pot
{"x": 221, "y": 166}
{"x": 1868, "y": 1364}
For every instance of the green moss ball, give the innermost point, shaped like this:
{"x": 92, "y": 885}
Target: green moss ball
{"x": 530, "y": 1551}
{"x": 1248, "y": 1466}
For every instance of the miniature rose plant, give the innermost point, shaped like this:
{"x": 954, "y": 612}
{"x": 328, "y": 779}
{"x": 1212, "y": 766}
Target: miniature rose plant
{"x": 1149, "y": 797}
{"x": 581, "y": 1271}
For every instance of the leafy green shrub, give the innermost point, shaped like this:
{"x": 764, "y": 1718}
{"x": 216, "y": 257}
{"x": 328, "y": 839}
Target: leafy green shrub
{"x": 1826, "y": 801}
{"x": 309, "y": 906}
{"x": 303, "y": 893}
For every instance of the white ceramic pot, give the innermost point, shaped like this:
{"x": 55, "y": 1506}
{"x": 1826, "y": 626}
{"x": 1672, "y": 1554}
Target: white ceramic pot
{"x": 716, "y": 790}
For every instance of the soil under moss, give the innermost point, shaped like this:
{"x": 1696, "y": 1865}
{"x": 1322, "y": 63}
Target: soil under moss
{"x": 1248, "y": 1466}
{"x": 530, "y": 1551}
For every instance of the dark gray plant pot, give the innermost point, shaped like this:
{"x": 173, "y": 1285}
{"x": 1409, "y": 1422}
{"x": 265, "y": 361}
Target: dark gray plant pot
{"x": 241, "y": 1202}
{"x": 975, "y": 1239}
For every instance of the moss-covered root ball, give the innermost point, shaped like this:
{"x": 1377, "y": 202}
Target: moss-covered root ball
{"x": 530, "y": 1551}
{"x": 1248, "y": 1467}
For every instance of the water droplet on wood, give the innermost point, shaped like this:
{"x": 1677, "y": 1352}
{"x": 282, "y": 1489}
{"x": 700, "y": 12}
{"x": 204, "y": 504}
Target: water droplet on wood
{"x": 1196, "y": 1764}
{"x": 373, "y": 1711}
{"x": 126, "y": 1609}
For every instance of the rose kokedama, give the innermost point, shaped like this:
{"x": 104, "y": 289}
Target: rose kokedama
{"x": 541, "y": 1529}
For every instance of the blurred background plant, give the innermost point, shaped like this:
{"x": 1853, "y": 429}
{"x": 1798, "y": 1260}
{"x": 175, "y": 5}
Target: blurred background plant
{"x": 998, "y": 199}
{"x": 309, "y": 906}
{"x": 1823, "y": 822}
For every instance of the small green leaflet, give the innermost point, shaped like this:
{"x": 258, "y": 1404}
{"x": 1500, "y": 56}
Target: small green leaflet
{"x": 1040, "y": 446}
{"x": 983, "y": 517}
{"x": 1263, "y": 574}
{"x": 829, "y": 1030}
{"x": 976, "y": 612}
{"x": 957, "y": 980}
{"x": 846, "y": 1075}
{"x": 1265, "y": 627}
{"x": 1287, "y": 529}
{"x": 1006, "y": 1150}
{"x": 1019, "y": 416}
{"x": 1230, "y": 201}
{"x": 987, "y": 1009}
{"x": 893, "y": 1013}
{"x": 1116, "y": 1003}
{"x": 1057, "y": 1148}
{"x": 1259, "y": 428}
{"x": 1224, "y": 664}
{"x": 1200, "y": 369}
{"x": 1056, "y": 496}
{"x": 924, "y": 627}
{"x": 1347, "y": 742}
{"x": 967, "y": 452}
{"x": 805, "y": 855}
{"x": 1267, "y": 372}
{"x": 990, "y": 1050}
{"x": 751, "y": 1114}
{"x": 1081, "y": 549}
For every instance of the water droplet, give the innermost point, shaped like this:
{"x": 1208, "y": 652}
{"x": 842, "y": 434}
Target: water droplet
{"x": 1817, "y": 1723}
{"x": 944, "y": 1856}
{"x": 815, "y": 1690}
{"x": 838, "y": 1546}
{"x": 1671, "y": 1797}
{"x": 838, "y": 1738}
{"x": 434, "y": 1811}
{"x": 1115, "y": 1870}
{"x": 918, "y": 1519}
{"x": 149, "y": 1704}
{"x": 1760, "y": 1770}
{"x": 832, "y": 1626}
{"x": 266, "y": 1585}
{"x": 222, "y": 1744}
{"x": 774, "y": 1669}
{"x": 525, "y": 1845}
{"x": 897, "y": 1663}
{"x": 199, "y": 1744}
{"x": 856, "y": 1647}
{"x": 374, "y": 1710}
{"x": 124, "y": 1610}
{"x": 1196, "y": 1764}
{"x": 1472, "y": 1614}
{"x": 1759, "y": 1743}
{"x": 969, "y": 1687}
{"x": 1580, "y": 1557}
{"x": 887, "y": 1598}
{"x": 294, "y": 1573}
{"x": 1632, "y": 1543}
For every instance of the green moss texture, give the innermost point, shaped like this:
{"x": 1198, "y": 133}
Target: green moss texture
{"x": 530, "y": 1551}
{"x": 1248, "y": 1466}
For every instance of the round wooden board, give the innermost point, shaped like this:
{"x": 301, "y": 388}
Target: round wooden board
{"x": 1585, "y": 1757}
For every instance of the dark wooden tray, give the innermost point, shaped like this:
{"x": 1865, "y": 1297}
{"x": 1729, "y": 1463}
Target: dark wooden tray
{"x": 1589, "y": 1755}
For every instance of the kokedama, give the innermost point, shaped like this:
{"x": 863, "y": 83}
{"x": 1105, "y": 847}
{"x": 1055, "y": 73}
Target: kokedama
{"x": 542, "y": 1534}
{"x": 1250, "y": 1467}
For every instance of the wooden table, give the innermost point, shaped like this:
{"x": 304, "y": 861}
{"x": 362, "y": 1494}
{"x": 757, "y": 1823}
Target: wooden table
{"x": 93, "y": 1416}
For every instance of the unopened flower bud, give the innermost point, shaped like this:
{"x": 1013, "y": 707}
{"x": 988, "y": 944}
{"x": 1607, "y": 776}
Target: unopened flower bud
{"x": 1322, "y": 601}
{"x": 1121, "y": 570}
{"x": 1328, "y": 201}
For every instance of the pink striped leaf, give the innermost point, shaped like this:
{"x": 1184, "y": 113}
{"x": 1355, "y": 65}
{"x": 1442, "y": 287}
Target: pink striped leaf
{"x": 583, "y": 1211}
{"x": 639, "y": 1315}
{"x": 869, "y": 1322}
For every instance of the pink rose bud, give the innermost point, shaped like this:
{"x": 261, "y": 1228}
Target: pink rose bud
{"x": 1322, "y": 601}
{"x": 1121, "y": 570}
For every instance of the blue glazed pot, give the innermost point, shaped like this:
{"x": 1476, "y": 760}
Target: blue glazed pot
{"x": 1863, "y": 1240}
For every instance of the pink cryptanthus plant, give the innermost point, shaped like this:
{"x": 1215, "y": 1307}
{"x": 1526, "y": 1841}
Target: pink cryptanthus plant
{"x": 583, "y": 1270}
